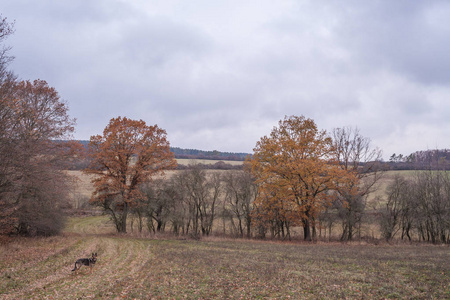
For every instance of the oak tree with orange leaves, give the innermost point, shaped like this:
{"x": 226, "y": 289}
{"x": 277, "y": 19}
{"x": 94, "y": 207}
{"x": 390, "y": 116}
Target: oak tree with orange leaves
{"x": 128, "y": 154}
{"x": 294, "y": 165}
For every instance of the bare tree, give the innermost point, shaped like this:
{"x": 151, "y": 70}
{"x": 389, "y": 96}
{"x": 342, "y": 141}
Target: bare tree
{"x": 421, "y": 205}
{"x": 241, "y": 192}
{"x": 6, "y": 29}
{"x": 201, "y": 192}
{"x": 7, "y": 147}
{"x": 432, "y": 206}
{"x": 356, "y": 155}
{"x": 157, "y": 204}
{"x": 396, "y": 202}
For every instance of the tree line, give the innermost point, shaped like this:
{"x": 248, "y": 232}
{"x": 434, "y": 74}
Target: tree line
{"x": 199, "y": 154}
{"x": 438, "y": 159}
{"x": 418, "y": 206}
{"x": 298, "y": 176}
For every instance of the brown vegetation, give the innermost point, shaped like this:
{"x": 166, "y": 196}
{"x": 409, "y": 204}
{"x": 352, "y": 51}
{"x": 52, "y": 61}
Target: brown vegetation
{"x": 295, "y": 170}
{"x": 33, "y": 187}
{"x": 127, "y": 155}
{"x": 154, "y": 268}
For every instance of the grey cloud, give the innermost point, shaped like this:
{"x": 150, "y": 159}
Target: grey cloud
{"x": 219, "y": 75}
{"x": 407, "y": 37}
{"x": 152, "y": 42}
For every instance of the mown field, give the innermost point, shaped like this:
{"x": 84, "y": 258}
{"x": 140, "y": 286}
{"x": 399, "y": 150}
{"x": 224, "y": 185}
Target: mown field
{"x": 131, "y": 267}
{"x": 386, "y": 179}
{"x": 186, "y": 161}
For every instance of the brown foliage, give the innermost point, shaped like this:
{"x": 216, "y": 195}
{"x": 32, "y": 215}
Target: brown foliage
{"x": 294, "y": 169}
{"x": 127, "y": 154}
{"x": 32, "y": 188}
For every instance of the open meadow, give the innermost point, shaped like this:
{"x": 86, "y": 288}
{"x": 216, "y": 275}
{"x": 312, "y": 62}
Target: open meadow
{"x": 152, "y": 267}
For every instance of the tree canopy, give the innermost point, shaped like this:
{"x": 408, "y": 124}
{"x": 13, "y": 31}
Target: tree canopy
{"x": 33, "y": 188}
{"x": 127, "y": 154}
{"x": 294, "y": 167}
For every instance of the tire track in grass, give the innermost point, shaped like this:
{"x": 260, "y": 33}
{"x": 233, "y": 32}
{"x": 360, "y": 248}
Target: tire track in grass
{"x": 130, "y": 270}
{"x": 121, "y": 259}
{"x": 83, "y": 283}
{"x": 122, "y": 265}
{"x": 119, "y": 270}
{"x": 39, "y": 265}
{"x": 38, "y": 277}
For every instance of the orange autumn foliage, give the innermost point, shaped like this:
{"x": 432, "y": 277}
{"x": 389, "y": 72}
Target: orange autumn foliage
{"x": 295, "y": 171}
{"x": 127, "y": 154}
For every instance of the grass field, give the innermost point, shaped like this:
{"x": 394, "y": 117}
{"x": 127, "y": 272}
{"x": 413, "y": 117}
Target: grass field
{"x": 155, "y": 268}
{"x": 185, "y": 161}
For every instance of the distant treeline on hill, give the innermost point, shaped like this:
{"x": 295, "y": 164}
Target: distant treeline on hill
{"x": 422, "y": 160}
{"x": 200, "y": 154}
{"x": 419, "y": 160}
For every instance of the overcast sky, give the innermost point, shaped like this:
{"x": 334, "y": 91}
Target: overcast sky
{"x": 219, "y": 75}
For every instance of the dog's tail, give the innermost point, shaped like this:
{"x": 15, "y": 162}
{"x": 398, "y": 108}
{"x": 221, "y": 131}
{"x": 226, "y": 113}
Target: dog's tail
{"x": 74, "y": 269}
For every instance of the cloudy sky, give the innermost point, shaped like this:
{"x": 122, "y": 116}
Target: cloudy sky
{"x": 218, "y": 75}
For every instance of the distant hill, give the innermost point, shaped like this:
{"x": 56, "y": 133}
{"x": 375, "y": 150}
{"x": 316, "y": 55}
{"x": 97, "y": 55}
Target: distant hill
{"x": 200, "y": 154}
{"x": 437, "y": 159}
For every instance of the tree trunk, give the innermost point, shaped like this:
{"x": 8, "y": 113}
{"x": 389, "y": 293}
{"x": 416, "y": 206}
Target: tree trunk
{"x": 306, "y": 230}
{"x": 122, "y": 228}
{"x": 140, "y": 225}
{"x": 350, "y": 231}
{"x": 159, "y": 225}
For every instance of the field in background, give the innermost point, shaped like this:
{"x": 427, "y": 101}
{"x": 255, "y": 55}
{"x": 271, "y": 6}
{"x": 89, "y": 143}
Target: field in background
{"x": 83, "y": 189}
{"x": 386, "y": 179}
{"x": 154, "y": 268}
{"x": 83, "y": 185}
{"x": 184, "y": 161}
